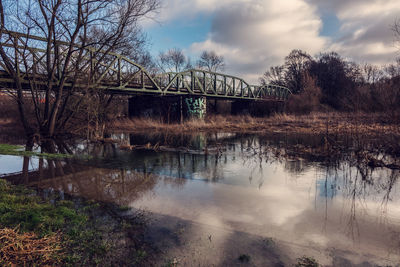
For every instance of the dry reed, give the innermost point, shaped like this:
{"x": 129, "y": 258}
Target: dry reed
{"x": 319, "y": 123}
{"x": 26, "y": 249}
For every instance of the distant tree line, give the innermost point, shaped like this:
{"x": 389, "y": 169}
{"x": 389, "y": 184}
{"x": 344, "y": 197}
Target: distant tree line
{"x": 329, "y": 81}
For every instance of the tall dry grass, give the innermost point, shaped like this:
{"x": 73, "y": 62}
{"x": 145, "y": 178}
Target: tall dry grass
{"x": 217, "y": 123}
{"x": 316, "y": 122}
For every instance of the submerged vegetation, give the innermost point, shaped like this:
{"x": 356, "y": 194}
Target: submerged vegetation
{"x": 53, "y": 231}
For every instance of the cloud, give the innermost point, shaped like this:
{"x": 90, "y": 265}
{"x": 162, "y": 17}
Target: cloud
{"x": 178, "y": 10}
{"x": 253, "y": 35}
{"x": 365, "y": 34}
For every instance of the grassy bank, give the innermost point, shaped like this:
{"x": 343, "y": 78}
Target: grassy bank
{"x": 16, "y": 150}
{"x": 318, "y": 123}
{"x": 51, "y": 231}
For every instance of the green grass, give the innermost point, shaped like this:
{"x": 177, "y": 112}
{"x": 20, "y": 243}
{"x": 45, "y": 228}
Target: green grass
{"x": 6, "y": 149}
{"x": 82, "y": 232}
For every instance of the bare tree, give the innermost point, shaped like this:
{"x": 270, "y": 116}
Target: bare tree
{"x": 210, "y": 61}
{"x": 371, "y": 73}
{"x": 173, "y": 60}
{"x": 396, "y": 30}
{"x": 392, "y": 71}
{"x": 291, "y": 74}
{"x": 64, "y": 43}
{"x": 146, "y": 60}
{"x": 188, "y": 64}
{"x": 297, "y": 63}
{"x": 275, "y": 75}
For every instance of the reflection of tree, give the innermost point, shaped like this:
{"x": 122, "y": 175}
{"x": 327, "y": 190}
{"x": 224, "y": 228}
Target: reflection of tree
{"x": 345, "y": 173}
{"x": 388, "y": 187}
{"x": 106, "y": 185}
{"x": 181, "y": 141}
{"x": 296, "y": 166}
{"x": 346, "y": 168}
{"x": 253, "y": 157}
{"x": 358, "y": 185}
{"x": 353, "y": 192}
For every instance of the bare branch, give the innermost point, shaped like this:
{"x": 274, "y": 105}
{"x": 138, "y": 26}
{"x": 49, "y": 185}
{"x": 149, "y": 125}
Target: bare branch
{"x": 210, "y": 61}
{"x": 173, "y": 60}
{"x": 61, "y": 55}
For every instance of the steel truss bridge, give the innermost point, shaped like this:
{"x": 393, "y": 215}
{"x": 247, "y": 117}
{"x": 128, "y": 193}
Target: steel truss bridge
{"x": 116, "y": 74}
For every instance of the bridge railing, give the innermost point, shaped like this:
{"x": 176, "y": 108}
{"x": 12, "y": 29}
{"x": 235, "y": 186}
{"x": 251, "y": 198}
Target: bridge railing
{"x": 91, "y": 68}
{"x": 201, "y": 82}
{"x": 87, "y": 67}
{"x": 272, "y": 91}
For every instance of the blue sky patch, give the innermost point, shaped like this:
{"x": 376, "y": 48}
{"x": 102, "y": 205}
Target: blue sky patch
{"x": 179, "y": 33}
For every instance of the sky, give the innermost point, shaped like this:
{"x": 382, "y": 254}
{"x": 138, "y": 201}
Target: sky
{"x": 253, "y": 35}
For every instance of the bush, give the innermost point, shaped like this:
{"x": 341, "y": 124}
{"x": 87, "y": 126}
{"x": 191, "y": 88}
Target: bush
{"x": 308, "y": 100}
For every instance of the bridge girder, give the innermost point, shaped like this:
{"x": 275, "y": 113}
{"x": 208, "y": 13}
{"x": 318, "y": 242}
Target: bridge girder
{"x": 116, "y": 74}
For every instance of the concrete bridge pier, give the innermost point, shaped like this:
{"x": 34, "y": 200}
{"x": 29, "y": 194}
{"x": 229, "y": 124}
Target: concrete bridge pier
{"x": 195, "y": 107}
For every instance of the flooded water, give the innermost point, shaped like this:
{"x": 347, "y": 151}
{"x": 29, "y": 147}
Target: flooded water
{"x": 214, "y": 197}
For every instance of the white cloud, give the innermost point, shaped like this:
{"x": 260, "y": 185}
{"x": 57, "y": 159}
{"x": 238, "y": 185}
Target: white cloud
{"x": 253, "y": 35}
{"x": 369, "y": 8}
{"x": 366, "y": 34}
{"x": 186, "y": 9}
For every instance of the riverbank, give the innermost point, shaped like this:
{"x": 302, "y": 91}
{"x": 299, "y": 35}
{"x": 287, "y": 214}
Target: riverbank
{"x": 53, "y": 231}
{"x": 354, "y": 123}
{"x": 315, "y": 123}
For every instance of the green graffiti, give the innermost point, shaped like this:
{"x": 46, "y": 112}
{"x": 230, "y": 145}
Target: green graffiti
{"x": 196, "y": 107}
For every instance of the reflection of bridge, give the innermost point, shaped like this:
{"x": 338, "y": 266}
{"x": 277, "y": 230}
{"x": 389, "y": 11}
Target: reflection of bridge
{"x": 116, "y": 74}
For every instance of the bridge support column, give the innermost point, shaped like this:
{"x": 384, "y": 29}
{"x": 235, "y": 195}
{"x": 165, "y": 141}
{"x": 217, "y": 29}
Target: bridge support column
{"x": 196, "y": 107}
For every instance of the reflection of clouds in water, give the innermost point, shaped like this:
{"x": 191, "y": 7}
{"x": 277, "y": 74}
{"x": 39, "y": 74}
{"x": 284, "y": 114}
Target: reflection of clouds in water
{"x": 330, "y": 204}
{"x": 276, "y": 203}
{"x": 283, "y": 208}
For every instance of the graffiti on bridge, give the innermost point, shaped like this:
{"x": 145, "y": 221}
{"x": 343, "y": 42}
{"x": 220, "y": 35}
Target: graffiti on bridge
{"x": 196, "y": 107}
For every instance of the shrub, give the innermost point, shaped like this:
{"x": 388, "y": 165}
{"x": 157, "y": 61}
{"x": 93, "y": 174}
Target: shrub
{"x": 308, "y": 100}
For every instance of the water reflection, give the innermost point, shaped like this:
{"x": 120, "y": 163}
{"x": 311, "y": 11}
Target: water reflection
{"x": 295, "y": 188}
